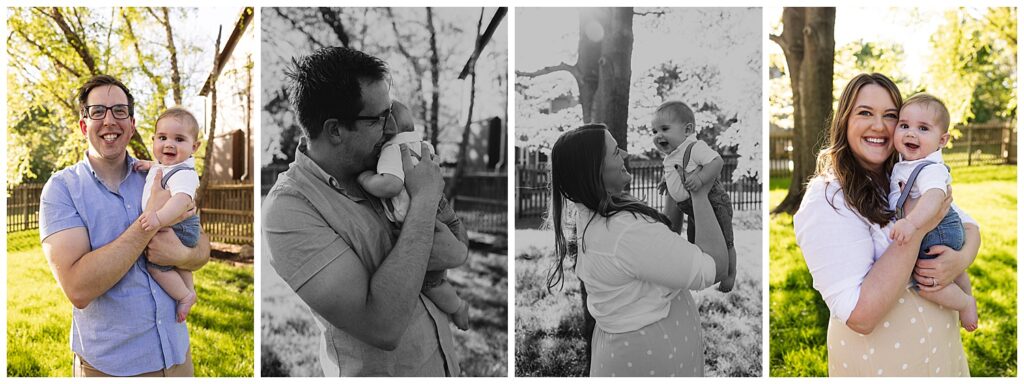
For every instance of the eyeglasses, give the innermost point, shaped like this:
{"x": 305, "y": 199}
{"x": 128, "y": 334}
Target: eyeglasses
{"x": 98, "y": 112}
{"x": 382, "y": 119}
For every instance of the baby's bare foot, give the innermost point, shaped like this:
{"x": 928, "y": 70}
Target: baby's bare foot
{"x": 969, "y": 316}
{"x": 461, "y": 317}
{"x": 185, "y": 305}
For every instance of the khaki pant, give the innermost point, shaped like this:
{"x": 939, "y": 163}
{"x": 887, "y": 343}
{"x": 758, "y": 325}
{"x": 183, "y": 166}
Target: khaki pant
{"x": 83, "y": 369}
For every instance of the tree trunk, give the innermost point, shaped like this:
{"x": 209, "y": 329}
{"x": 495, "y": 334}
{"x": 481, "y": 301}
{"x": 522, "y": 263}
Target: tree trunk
{"x": 460, "y": 166}
{"x": 587, "y": 72}
{"x": 417, "y": 68}
{"x": 808, "y": 42}
{"x": 611, "y": 101}
{"x": 435, "y": 79}
{"x": 204, "y": 181}
{"x": 175, "y": 73}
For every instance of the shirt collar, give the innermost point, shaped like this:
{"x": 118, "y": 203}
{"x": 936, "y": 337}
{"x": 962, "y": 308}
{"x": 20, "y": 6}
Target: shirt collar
{"x": 129, "y": 165}
{"x": 305, "y": 164}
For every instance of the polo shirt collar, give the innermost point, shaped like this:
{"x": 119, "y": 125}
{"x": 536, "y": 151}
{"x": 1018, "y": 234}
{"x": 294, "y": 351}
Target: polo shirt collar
{"x": 129, "y": 164}
{"x": 306, "y": 165}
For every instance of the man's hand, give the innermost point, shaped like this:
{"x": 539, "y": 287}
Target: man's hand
{"x": 902, "y": 231}
{"x": 166, "y": 249}
{"x": 423, "y": 179}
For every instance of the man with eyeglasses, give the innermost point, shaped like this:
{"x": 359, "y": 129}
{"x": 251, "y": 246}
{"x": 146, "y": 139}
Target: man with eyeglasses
{"x": 331, "y": 241}
{"x": 123, "y": 323}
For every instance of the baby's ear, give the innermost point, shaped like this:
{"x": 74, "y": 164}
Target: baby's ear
{"x": 943, "y": 140}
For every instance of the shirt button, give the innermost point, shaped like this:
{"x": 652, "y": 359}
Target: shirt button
{"x": 159, "y": 322}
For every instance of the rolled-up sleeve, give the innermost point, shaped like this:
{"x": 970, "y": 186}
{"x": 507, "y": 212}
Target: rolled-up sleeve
{"x": 837, "y": 246}
{"x": 655, "y": 254}
{"x": 300, "y": 241}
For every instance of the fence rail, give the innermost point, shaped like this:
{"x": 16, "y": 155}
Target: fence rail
{"x": 980, "y": 144}
{"x": 227, "y": 211}
{"x": 23, "y": 207}
{"x": 482, "y": 202}
{"x": 533, "y": 191}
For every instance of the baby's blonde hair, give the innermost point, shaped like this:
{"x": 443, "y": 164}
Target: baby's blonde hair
{"x": 933, "y": 103}
{"x": 184, "y": 117}
{"x": 679, "y": 111}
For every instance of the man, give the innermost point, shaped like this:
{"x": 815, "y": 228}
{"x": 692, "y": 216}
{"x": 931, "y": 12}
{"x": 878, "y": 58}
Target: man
{"x": 332, "y": 242}
{"x": 123, "y": 323}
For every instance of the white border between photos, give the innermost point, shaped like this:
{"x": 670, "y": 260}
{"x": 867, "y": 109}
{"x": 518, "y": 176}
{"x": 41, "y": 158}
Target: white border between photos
{"x": 258, "y": 4}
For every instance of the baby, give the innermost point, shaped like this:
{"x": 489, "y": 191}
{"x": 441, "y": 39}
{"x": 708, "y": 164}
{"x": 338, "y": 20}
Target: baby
{"x": 175, "y": 139}
{"x": 917, "y": 189}
{"x": 388, "y": 183}
{"x": 675, "y": 136}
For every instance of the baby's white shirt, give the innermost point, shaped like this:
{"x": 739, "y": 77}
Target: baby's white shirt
{"x": 184, "y": 181}
{"x": 390, "y": 161}
{"x": 701, "y": 155}
{"x": 934, "y": 176}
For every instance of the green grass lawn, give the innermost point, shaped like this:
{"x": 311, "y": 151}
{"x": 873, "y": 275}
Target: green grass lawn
{"x": 39, "y": 316}
{"x": 549, "y": 325}
{"x": 798, "y": 318}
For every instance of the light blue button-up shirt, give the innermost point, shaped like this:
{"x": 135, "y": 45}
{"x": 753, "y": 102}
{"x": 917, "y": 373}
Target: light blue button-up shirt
{"x": 131, "y": 328}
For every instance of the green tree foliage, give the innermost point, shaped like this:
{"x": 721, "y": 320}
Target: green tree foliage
{"x": 52, "y": 51}
{"x": 974, "y": 65}
{"x": 857, "y": 57}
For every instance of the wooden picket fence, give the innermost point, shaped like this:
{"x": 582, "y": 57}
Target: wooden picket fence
{"x": 226, "y": 215}
{"x": 533, "y": 192}
{"x": 992, "y": 143}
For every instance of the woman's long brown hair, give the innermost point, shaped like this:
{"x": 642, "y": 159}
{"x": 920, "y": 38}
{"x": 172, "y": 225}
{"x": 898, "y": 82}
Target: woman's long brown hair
{"x": 576, "y": 176}
{"x": 866, "y": 191}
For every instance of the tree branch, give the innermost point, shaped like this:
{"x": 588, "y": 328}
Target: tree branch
{"x": 331, "y": 18}
{"x": 649, "y": 13}
{"x": 295, "y": 25}
{"x": 778, "y": 40}
{"x": 74, "y": 39}
{"x": 551, "y": 69}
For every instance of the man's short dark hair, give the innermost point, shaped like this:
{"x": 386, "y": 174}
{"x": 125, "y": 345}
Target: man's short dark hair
{"x": 99, "y": 81}
{"x": 325, "y": 85}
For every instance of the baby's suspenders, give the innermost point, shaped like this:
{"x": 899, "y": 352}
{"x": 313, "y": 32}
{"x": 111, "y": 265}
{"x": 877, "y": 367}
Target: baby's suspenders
{"x": 174, "y": 169}
{"x": 905, "y": 193}
{"x": 686, "y": 159}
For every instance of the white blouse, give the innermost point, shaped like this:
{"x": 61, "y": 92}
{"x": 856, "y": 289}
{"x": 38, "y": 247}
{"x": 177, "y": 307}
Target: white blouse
{"x": 633, "y": 267}
{"x": 838, "y": 244}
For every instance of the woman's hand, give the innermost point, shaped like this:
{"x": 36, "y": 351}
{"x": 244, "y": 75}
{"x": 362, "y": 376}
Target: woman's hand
{"x": 948, "y": 263}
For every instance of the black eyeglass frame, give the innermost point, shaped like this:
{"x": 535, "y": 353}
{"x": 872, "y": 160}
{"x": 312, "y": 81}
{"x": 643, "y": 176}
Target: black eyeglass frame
{"x": 86, "y": 111}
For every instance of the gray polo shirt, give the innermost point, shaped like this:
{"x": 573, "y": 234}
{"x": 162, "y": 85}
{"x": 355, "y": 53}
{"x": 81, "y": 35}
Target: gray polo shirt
{"x": 309, "y": 220}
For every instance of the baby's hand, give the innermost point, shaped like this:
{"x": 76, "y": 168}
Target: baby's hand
{"x": 902, "y": 230}
{"x": 150, "y": 221}
{"x": 142, "y": 165}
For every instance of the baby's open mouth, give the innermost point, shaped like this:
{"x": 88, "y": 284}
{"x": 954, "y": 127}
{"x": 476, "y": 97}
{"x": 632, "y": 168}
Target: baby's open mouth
{"x": 911, "y": 145}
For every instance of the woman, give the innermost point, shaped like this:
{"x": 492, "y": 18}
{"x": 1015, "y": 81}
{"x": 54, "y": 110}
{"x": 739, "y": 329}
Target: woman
{"x": 636, "y": 270}
{"x": 879, "y": 325}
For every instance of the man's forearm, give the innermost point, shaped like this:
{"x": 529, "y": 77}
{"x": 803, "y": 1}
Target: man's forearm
{"x": 395, "y": 285}
{"x": 95, "y": 272}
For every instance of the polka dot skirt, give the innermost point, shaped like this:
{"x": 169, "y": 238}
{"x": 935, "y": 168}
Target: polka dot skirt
{"x": 916, "y": 338}
{"x": 671, "y": 347}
